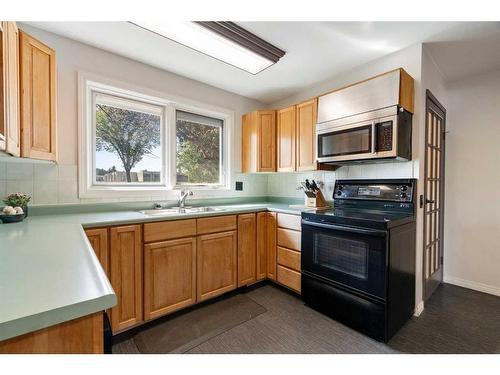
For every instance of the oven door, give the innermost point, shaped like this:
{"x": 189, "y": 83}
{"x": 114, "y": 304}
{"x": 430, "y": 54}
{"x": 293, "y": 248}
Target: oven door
{"x": 354, "y": 258}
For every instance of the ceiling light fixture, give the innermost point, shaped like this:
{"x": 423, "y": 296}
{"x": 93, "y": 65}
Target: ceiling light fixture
{"x": 225, "y": 41}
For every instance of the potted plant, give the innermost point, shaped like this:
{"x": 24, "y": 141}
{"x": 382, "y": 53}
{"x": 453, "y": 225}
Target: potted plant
{"x": 18, "y": 200}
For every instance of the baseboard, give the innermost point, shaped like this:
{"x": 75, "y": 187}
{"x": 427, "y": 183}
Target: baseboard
{"x": 473, "y": 285}
{"x": 419, "y": 309}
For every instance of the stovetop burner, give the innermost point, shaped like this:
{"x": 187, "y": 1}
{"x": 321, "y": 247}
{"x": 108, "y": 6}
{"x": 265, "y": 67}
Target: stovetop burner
{"x": 369, "y": 203}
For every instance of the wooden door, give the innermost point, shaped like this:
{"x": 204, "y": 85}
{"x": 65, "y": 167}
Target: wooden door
{"x": 271, "y": 227}
{"x": 249, "y": 143}
{"x": 126, "y": 276}
{"x": 169, "y": 276}
{"x": 286, "y": 139}
{"x": 266, "y": 121}
{"x": 266, "y": 245}
{"x": 99, "y": 240}
{"x": 247, "y": 249}
{"x": 216, "y": 264}
{"x": 433, "y": 198}
{"x": 38, "y": 99}
{"x": 9, "y": 112}
{"x": 261, "y": 245}
{"x": 306, "y": 135}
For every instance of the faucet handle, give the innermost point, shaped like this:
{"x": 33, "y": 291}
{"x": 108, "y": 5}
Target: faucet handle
{"x": 186, "y": 192}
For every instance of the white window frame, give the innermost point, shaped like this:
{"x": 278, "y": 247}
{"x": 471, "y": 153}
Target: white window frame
{"x": 88, "y": 84}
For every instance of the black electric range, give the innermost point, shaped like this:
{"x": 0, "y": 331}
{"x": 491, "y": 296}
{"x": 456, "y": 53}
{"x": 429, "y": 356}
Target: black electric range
{"x": 358, "y": 258}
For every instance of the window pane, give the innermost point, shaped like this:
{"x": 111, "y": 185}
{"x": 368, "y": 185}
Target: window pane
{"x": 128, "y": 144}
{"x": 199, "y": 151}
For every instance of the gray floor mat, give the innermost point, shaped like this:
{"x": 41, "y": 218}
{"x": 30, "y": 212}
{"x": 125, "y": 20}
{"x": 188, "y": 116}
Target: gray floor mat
{"x": 185, "y": 332}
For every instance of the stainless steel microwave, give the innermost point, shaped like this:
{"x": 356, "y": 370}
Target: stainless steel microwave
{"x": 384, "y": 134}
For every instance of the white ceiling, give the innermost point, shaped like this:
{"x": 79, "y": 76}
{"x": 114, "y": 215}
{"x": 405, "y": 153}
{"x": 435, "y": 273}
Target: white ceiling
{"x": 315, "y": 51}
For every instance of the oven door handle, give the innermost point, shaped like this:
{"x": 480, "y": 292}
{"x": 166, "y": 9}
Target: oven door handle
{"x": 371, "y": 232}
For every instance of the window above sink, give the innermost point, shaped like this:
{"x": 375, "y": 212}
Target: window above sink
{"x": 135, "y": 143}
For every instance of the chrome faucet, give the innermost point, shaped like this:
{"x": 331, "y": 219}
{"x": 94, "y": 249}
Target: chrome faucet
{"x": 184, "y": 195}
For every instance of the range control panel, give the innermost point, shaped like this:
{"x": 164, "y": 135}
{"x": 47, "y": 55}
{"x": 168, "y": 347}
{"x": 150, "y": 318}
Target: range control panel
{"x": 380, "y": 190}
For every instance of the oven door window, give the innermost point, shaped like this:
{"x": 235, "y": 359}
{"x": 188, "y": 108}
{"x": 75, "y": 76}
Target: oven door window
{"x": 348, "y": 258}
{"x": 356, "y": 140}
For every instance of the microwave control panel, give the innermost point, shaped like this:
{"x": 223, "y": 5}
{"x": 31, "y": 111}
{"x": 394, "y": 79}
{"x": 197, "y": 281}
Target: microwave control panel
{"x": 384, "y": 136}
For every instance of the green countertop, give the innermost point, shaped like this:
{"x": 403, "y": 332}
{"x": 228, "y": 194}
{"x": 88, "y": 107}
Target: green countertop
{"x": 49, "y": 273}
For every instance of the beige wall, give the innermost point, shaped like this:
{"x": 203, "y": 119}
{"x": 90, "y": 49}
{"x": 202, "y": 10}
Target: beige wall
{"x": 472, "y": 206}
{"x": 57, "y": 184}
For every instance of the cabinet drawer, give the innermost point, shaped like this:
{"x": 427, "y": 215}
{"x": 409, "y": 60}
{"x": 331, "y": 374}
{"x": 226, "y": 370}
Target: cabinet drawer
{"x": 216, "y": 224}
{"x": 289, "y": 238}
{"x": 167, "y": 230}
{"x": 289, "y": 258}
{"x": 289, "y": 278}
{"x": 289, "y": 221}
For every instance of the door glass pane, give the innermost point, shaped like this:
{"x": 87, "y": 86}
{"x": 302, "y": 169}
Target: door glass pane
{"x": 345, "y": 142}
{"x": 340, "y": 254}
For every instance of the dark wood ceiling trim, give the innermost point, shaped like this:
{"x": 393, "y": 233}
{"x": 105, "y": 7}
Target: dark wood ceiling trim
{"x": 239, "y": 35}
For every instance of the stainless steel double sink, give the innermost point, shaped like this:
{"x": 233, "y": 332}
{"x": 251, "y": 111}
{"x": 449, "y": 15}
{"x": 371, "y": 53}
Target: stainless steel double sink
{"x": 180, "y": 210}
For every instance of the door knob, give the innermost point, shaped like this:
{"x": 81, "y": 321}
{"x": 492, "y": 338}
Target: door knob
{"x": 429, "y": 201}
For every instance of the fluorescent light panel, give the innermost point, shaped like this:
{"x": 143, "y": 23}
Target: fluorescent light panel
{"x": 210, "y": 43}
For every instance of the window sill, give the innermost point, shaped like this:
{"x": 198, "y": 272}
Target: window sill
{"x": 145, "y": 192}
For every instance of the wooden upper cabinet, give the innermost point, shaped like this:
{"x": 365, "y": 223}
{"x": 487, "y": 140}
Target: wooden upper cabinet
{"x": 266, "y": 245}
{"x": 10, "y": 132}
{"x": 258, "y": 152}
{"x": 99, "y": 240}
{"x": 216, "y": 260}
{"x": 306, "y": 135}
{"x": 38, "y": 99}
{"x": 126, "y": 276}
{"x": 286, "y": 139}
{"x": 247, "y": 249}
{"x": 169, "y": 276}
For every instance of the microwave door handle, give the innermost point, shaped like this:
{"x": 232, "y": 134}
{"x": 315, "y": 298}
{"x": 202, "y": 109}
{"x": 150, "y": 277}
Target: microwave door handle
{"x": 373, "y": 138}
{"x": 372, "y": 232}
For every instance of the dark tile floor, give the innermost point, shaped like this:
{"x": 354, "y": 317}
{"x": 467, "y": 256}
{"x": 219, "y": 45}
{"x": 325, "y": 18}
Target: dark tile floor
{"x": 455, "y": 320}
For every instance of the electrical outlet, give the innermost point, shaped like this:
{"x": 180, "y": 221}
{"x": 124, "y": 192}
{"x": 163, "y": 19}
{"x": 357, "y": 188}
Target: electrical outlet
{"x": 239, "y": 185}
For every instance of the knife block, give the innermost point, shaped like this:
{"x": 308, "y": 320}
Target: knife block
{"x": 317, "y": 202}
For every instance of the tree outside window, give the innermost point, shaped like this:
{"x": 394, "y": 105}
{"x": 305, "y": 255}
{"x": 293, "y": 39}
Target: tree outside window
{"x": 127, "y": 145}
{"x": 199, "y": 151}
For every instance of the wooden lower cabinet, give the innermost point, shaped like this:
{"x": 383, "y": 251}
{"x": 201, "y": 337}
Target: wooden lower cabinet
{"x": 247, "y": 249}
{"x": 216, "y": 264}
{"x": 289, "y": 258}
{"x": 126, "y": 276}
{"x": 288, "y": 278}
{"x": 99, "y": 240}
{"x": 169, "y": 276}
{"x": 266, "y": 245}
{"x": 79, "y": 336}
{"x": 288, "y": 241}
